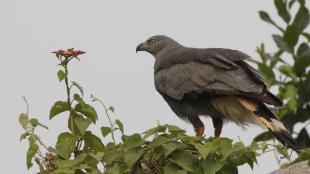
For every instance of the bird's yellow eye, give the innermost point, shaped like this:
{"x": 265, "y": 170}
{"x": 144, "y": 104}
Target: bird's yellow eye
{"x": 151, "y": 41}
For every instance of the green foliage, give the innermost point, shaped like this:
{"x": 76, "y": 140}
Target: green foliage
{"x": 288, "y": 67}
{"x": 162, "y": 149}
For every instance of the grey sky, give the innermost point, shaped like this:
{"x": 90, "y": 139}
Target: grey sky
{"x": 111, "y": 70}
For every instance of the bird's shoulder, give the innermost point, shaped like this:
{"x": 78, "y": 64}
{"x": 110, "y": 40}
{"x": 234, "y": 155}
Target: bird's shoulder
{"x": 221, "y": 57}
{"x": 231, "y": 54}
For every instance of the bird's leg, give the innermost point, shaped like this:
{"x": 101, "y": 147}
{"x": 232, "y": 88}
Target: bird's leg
{"x": 217, "y": 124}
{"x": 198, "y": 126}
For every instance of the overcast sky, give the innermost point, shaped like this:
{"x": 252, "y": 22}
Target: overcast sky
{"x": 110, "y": 31}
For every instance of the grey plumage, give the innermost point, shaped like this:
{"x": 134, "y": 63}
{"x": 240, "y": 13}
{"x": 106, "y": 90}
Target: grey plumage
{"x": 214, "y": 81}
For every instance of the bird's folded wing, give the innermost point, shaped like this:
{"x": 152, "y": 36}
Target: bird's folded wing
{"x": 229, "y": 59}
{"x": 196, "y": 77}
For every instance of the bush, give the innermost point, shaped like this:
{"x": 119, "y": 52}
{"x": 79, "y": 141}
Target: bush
{"x": 162, "y": 149}
{"x": 166, "y": 148}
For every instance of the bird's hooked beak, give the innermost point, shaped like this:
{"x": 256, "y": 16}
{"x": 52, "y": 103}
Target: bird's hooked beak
{"x": 140, "y": 47}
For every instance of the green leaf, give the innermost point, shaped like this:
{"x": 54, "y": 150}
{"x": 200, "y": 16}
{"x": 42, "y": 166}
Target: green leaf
{"x": 61, "y": 75}
{"x": 133, "y": 141}
{"x": 78, "y": 98}
{"x": 226, "y": 148}
{"x": 288, "y": 71}
{"x": 211, "y": 167}
{"x": 117, "y": 169}
{"x": 303, "y": 138}
{"x": 265, "y": 17}
{"x": 172, "y": 168}
{"x": 267, "y": 72}
{"x": 168, "y": 148}
{"x": 307, "y": 36}
{"x": 301, "y": 64}
{"x": 111, "y": 108}
{"x": 70, "y": 163}
{"x": 282, "y": 10}
{"x": 65, "y": 145}
{"x": 34, "y": 122}
{"x": 291, "y": 36}
{"x": 204, "y": 150}
{"x": 291, "y": 3}
{"x": 64, "y": 171}
{"x": 80, "y": 88}
{"x": 303, "y": 50}
{"x": 24, "y": 120}
{"x": 301, "y": 20}
{"x": 262, "y": 53}
{"x": 23, "y": 136}
{"x": 158, "y": 141}
{"x": 281, "y": 43}
{"x": 105, "y": 131}
{"x": 59, "y": 107}
{"x": 228, "y": 169}
{"x": 120, "y": 125}
{"x": 283, "y": 151}
{"x": 32, "y": 150}
{"x": 51, "y": 149}
{"x": 82, "y": 124}
{"x": 93, "y": 142}
{"x": 290, "y": 93}
{"x": 174, "y": 129}
{"x": 265, "y": 136}
{"x": 242, "y": 154}
{"x": 302, "y": 61}
{"x": 149, "y": 132}
{"x": 293, "y": 31}
{"x": 304, "y": 155}
{"x": 131, "y": 156}
{"x": 184, "y": 159}
{"x": 155, "y": 130}
{"x": 112, "y": 155}
{"x": 87, "y": 110}
{"x": 72, "y": 124}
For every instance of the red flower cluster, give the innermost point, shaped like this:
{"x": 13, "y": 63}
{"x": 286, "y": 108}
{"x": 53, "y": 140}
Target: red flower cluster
{"x": 68, "y": 53}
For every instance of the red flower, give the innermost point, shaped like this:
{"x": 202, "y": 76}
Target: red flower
{"x": 69, "y": 53}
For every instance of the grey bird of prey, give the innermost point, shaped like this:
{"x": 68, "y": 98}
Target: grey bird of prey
{"x": 213, "y": 82}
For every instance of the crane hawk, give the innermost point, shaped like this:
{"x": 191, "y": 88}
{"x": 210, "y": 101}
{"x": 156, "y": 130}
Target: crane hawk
{"x": 213, "y": 82}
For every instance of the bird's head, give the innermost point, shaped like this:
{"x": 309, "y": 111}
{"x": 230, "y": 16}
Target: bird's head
{"x": 155, "y": 44}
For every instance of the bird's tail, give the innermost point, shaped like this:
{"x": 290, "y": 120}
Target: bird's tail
{"x": 268, "y": 119}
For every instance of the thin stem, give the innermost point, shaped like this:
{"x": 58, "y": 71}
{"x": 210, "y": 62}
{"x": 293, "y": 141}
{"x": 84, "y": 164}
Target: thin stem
{"x": 275, "y": 153}
{"x": 68, "y": 88}
{"x": 78, "y": 145}
{"x": 26, "y": 104}
{"x": 258, "y": 154}
{"x": 106, "y": 112}
{"x": 67, "y": 84}
{"x": 39, "y": 151}
{"x": 36, "y": 140}
{"x": 42, "y": 144}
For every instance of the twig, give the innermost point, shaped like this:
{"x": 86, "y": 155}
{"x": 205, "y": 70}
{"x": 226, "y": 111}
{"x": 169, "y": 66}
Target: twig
{"x": 106, "y": 111}
{"x": 67, "y": 84}
{"x": 26, "y": 104}
{"x": 78, "y": 146}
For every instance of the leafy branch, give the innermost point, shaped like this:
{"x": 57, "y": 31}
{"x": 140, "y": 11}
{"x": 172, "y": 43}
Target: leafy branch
{"x": 292, "y": 78}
